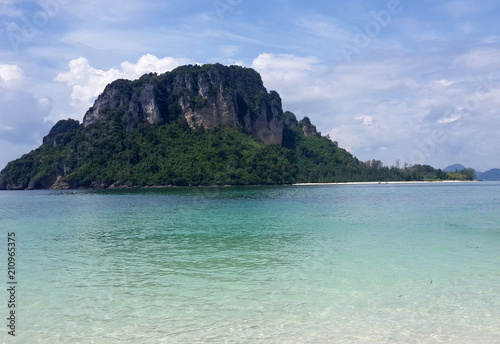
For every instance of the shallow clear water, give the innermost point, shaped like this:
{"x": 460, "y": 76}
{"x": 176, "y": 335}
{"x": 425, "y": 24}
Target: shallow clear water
{"x": 388, "y": 263}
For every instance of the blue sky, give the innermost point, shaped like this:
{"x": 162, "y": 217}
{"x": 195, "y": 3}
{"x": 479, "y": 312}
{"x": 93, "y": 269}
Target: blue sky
{"x": 396, "y": 80}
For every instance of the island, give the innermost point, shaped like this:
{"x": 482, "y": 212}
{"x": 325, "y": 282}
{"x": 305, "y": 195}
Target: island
{"x": 197, "y": 125}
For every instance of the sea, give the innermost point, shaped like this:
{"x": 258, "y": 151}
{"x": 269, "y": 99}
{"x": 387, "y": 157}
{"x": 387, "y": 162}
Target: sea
{"x": 351, "y": 263}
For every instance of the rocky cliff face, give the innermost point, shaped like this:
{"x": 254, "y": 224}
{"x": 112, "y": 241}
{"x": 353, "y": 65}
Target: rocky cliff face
{"x": 308, "y": 128}
{"x": 207, "y": 96}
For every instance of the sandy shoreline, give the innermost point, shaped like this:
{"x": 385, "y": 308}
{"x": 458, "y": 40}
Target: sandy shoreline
{"x": 125, "y": 187}
{"x": 395, "y": 182}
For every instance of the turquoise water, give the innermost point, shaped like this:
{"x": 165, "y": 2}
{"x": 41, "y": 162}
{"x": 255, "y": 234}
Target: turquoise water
{"x": 388, "y": 263}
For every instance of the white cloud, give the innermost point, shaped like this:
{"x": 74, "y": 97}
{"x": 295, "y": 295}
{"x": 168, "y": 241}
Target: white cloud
{"x": 444, "y": 82}
{"x": 449, "y": 119}
{"x": 150, "y": 64}
{"x": 368, "y": 121}
{"x": 284, "y": 67}
{"x": 10, "y": 73}
{"x": 87, "y": 82}
{"x": 295, "y": 78}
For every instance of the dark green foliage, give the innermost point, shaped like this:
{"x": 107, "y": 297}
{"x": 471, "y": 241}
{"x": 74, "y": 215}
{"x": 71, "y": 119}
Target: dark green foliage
{"x": 465, "y": 174}
{"x": 60, "y": 127}
{"x": 173, "y": 154}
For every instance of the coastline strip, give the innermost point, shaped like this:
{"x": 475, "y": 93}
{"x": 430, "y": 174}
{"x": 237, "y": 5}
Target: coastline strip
{"x": 393, "y": 182}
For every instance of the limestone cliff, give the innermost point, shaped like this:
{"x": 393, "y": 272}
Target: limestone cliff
{"x": 308, "y": 128}
{"x": 209, "y": 96}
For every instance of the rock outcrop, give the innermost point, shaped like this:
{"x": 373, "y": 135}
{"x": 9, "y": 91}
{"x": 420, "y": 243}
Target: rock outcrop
{"x": 308, "y": 128}
{"x": 61, "y": 127}
{"x": 208, "y": 96}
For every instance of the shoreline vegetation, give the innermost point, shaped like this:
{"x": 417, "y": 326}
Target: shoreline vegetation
{"x": 148, "y": 187}
{"x": 126, "y": 187}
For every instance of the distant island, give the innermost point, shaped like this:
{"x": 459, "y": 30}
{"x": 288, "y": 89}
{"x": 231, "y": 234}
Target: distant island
{"x": 490, "y": 175}
{"x": 196, "y": 125}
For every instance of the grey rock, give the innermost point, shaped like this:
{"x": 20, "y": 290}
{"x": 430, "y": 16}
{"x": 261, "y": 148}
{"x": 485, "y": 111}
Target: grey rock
{"x": 208, "y": 96}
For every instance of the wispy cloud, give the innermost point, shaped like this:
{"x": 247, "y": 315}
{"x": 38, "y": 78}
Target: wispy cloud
{"x": 462, "y": 8}
{"x": 480, "y": 60}
{"x": 325, "y": 27}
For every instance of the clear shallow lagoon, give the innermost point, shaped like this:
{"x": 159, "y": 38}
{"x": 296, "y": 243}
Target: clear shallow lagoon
{"x": 388, "y": 263}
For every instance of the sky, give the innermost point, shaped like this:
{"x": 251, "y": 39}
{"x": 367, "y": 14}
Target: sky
{"x": 401, "y": 81}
